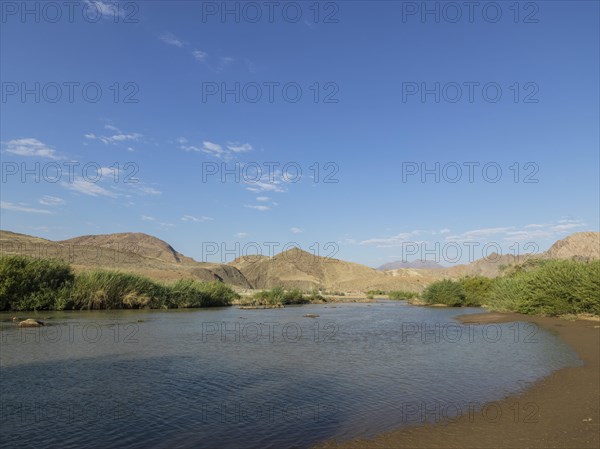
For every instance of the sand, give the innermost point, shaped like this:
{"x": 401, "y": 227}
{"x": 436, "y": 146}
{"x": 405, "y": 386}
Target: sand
{"x": 559, "y": 411}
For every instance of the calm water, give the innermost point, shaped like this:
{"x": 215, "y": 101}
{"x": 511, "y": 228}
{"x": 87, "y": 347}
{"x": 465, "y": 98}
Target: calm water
{"x": 233, "y": 378}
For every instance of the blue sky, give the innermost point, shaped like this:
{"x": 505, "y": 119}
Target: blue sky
{"x": 361, "y": 120}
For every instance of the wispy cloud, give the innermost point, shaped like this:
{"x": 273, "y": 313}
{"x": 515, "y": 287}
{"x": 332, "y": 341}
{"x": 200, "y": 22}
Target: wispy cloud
{"x": 148, "y": 218}
{"x": 85, "y": 187}
{"x": 30, "y": 147}
{"x": 195, "y": 219}
{"x": 21, "y": 208}
{"x": 296, "y": 230}
{"x": 199, "y": 55}
{"x": 49, "y": 200}
{"x": 214, "y": 149}
{"x": 170, "y": 39}
{"x": 260, "y": 208}
{"x": 108, "y": 10}
{"x": 241, "y": 235}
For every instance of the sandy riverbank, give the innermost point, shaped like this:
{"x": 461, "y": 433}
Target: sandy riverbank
{"x": 559, "y": 411}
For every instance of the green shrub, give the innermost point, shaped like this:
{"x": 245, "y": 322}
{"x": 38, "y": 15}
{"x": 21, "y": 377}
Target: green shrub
{"x": 31, "y": 284}
{"x": 100, "y": 289}
{"x": 376, "y": 292}
{"x": 561, "y": 287}
{"x": 446, "y": 292}
{"x": 550, "y": 287}
{"x": 477, "y": 290}
{"x": 191, "y": 293}
{"x": 400, "y": 295}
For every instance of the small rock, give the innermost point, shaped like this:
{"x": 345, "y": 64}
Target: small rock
{"x": 587, "y": 420}
{"x": 311, "y": 315}
{"x": 30, "y": 322}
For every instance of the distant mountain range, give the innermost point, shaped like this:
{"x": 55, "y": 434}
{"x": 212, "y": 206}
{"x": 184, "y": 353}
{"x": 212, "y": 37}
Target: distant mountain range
{"x": 144, "y": 254}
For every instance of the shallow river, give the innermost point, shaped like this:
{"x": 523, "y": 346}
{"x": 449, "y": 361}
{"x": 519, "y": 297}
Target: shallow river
{"x": 230, "y": 378}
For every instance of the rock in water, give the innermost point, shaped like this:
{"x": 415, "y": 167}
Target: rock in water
{"x": 30, "y": 322}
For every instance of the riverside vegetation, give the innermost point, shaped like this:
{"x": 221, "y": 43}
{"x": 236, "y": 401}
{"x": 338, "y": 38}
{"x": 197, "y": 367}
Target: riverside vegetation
{"x": 540, "y": 287}
{"x": 545, "y": 287}
{"x": 48, "y": 284}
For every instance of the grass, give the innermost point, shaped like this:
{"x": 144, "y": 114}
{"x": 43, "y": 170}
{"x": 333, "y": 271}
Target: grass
{"x": 43, "y": 284}
{"x": 278, "y": 296}
{"x": 400, "y": 295}
{"x": 447, "y": 291}
{"x": 541, "y": 287}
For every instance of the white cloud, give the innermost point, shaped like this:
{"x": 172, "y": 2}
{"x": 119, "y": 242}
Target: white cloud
{"x": 148, "y": 190}
{"x": 19, "y": 208}
{"x": 148, "y": 218}
{"x": 389, "y": 242}
{"x": 239, "y": 148}
{"x": 261, "y": 186}
{"x": 88, "y": 188}
{"x": 169, "y": 38}
{"x": 108, "y": 10}
{"x": 30, "y": 147}
{"x": 296, "y": 230}
{"x": 212, "y": 148}
{"x": 257, "y": 207}
{"x": 262, "y": 198}
{"x": 195, "y": 219}
{"x": 241, "y": 235}
{"x": 199, "y": 55}
{"x": 49, "y": 200}
{"x": 119, "y": 138}
{"x": 444, "y": 231}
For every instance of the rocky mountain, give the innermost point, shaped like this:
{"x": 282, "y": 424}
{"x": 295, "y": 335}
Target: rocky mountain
{"x": 133, "y": 252}
{"x": 581, "y": 245}
{"x": 299, "y": 269}
{"x": 147, "y": 255}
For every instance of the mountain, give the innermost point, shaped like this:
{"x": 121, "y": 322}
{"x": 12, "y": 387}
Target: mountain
{"x": 581, "y": 245}
{"x": 147, "y": 255}
{"x": 299, "y": 269}
{"x": 136, "y": 242}
{"x": 132, "y": 252}
{"x": 419, "y": 264}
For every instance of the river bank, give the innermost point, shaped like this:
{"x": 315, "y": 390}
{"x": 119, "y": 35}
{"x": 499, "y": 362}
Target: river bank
{"x": 559, "y": 411}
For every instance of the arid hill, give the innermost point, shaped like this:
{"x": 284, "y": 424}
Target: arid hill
{"x": 150, "y": 256}
{"x": 581, "y": 245}
{"x": 299, "y": 269}
{"x": 132, "y": 252}
{"x": 135, "y": 242}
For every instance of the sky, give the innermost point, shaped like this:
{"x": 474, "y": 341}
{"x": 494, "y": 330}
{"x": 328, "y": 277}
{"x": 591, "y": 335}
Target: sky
{"x": 366, "y": 131}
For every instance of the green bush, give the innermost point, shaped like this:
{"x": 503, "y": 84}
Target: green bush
{"x": 561, "y": 287}
{"x": 44, "y": 284}
{"x": 191, "y": 293}
{"x": 446, "y": 292}
{"x": 477, "y": 290}
{"x": 551, "y": 287}
{"x": 31, "y": 284}
{"x": 400, "y": 295}
{"x": 113, "y": 290}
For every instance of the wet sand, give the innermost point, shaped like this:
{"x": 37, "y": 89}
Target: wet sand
{"x": 559, "y": 411}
